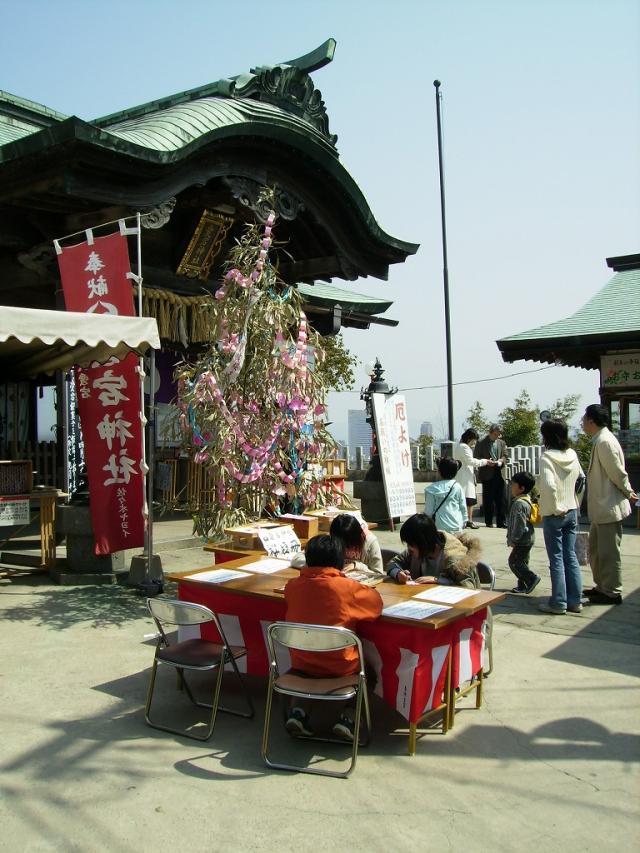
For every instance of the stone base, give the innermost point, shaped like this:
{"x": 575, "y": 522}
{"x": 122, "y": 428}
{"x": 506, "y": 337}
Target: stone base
{"x": 373, "y": 504}
{"x": 67, "y": 578}
{"x": 150, "y": 580}
{"x": 74, "y": 521}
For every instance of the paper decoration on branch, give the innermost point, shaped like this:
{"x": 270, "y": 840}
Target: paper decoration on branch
{"x": 251, "y": 408}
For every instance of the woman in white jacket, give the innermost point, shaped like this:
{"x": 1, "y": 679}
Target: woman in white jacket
{"x": 463, "y": 453}
{"x": 559, "y": 470}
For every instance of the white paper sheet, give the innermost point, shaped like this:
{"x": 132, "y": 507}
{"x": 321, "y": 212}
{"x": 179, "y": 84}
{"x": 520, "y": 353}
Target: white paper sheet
{"x": 266, "y": 567}
{"x": 448, "y": 594}
{"x": 413, "y": 609}
{"x": 218, "y": 576}
{"x": 280, "y": 541}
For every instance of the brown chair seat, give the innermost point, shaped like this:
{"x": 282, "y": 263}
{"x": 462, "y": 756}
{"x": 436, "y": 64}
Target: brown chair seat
{"x": 345, "y": 685}
{"x": 197, "y": 653}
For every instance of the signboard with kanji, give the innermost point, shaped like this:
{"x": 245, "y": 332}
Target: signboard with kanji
{"x": 14, "y": 511}
{"x": 95, "y": 280}
{"x": 392, "y": 433}
{"x": 620, "y": 370}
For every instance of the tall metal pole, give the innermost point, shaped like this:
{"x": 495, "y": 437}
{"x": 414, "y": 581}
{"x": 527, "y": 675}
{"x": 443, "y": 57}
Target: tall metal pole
{"x": 445, "y": 267}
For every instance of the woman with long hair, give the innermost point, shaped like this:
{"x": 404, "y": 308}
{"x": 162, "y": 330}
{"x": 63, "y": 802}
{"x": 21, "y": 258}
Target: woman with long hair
{"x": 559, "y": 470}
{"x": 463, "y": 452}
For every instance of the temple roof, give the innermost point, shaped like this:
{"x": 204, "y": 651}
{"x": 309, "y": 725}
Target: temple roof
{"x": 204, "y": 152}
{"x": 609, "y": 320}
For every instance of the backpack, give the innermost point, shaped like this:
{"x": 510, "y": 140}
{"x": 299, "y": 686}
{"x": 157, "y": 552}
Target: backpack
{"x": 536, "y": 515}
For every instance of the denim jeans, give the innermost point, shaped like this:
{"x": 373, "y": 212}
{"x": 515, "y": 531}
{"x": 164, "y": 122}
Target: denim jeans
{"x": 560, "y": 542}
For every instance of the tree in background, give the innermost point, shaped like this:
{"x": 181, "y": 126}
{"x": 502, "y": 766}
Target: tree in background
{"x": 336, "y": 370}
{"x": 476, "y": 419}
{"x": 564, "y": 410}
{"x": 520, "y": 422}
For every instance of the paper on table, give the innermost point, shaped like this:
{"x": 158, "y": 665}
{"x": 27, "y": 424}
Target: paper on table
{"x": 266, "y": 567}
{"x": 218, "y": 576}
{"x": 450, "y": 594}
{"x": 413, "y": 609}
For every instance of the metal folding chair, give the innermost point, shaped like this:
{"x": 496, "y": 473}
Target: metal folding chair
{"x": 316, "y": 638}
{"x": 387, "y": 555}
{"x": 196, "y": 655}
{"x": 488, "y": 578}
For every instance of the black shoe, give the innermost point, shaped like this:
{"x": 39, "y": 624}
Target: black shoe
{"x": 472, "y": 525}
{"x": 589, "y": 592}
{"x": 602, "y": 598}
{"x": 489, "y": 525}
{"x": 503, "y": 526}
{"x": 534, "y": 583}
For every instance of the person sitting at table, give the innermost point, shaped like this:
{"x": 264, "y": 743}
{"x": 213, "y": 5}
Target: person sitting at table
{"x": 444, "y": 501}
{"x": 362, "y": 555}
{"x": 434, "y": 556}
{"x": 322, "y": 595}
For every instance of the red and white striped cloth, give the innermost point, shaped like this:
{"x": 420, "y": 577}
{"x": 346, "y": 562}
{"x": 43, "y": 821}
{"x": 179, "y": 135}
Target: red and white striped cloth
{"x": 410, "y": 663}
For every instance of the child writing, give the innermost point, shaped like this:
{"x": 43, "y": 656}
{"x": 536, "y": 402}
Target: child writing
{"x": 322, "y": 595}
{"x": 433, "y": 556}
{"x": 520, "y": 533}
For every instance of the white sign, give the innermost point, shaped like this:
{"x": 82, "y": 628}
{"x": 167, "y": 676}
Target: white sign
{"x": 619, "y": 370}
{"x": 392, "y": 436}
{"x": 13, "y": 512}
{"x": 279, "y": 541}
{"x": 413, "y": 609}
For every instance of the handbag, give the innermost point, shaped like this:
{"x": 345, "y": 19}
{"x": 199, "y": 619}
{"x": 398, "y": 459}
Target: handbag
{"x": 443, "y": 501}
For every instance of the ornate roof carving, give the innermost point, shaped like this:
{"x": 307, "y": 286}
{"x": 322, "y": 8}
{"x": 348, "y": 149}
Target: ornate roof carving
{"x": 288, "y": 87}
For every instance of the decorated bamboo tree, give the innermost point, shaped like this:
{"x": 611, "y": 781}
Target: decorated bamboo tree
{"x": 251, "y": 407}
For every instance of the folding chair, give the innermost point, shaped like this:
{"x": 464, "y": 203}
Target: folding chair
{"x": 387, "y": 555}
{"x": 488, "y": 578}
{"x": 196, "y": 655}
{"x": 316, "y": 638}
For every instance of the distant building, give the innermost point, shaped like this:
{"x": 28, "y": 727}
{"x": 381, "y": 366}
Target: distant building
{"x": 426, "y": 428}
{"x": 359, "y": 432}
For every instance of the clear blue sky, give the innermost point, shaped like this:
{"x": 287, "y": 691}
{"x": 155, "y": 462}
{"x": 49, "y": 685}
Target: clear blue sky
{"x": 541, "y": 108}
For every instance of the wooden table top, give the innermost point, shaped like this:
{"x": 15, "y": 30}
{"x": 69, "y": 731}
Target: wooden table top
{"x": 270, "y": 586}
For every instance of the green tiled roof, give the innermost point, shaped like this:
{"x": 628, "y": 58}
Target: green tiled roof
{"x": 20, "y": 117}
{"x": 177, "y": 126}
{"x": 613, "y": 310}
{"x": 328, "y": 295}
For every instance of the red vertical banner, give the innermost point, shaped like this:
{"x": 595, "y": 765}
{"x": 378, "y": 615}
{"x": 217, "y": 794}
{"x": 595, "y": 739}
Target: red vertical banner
{"x": 95, "y": 280}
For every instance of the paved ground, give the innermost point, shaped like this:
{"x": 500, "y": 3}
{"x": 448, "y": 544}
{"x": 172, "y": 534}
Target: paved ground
{"x": 549, "y": 762}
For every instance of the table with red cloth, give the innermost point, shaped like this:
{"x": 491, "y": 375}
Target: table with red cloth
{"x": 412, "y": 659}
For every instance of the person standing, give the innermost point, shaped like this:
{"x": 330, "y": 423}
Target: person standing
{"x": 463, "y": 453}
{"x": 608, "y": 494}
{"x": 559, "y": 471}
{"x": 494, "y": 448}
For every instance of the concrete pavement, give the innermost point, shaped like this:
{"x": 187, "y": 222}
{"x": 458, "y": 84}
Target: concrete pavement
{"x": 550, "y": 760}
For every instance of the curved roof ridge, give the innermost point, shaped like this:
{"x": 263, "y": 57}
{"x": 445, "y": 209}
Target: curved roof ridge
{"x": 598, "y": 314}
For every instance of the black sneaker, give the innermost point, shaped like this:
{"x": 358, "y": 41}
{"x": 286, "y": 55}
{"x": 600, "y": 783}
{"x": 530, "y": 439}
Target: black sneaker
{"x": 534, "y": 583}
{"x": 297, "y": 724}
{"x": 603, "y": 598}
{"x": 519, "y": 590}
{"x": 344, "y": 728}
{"x": 472, "y": 525}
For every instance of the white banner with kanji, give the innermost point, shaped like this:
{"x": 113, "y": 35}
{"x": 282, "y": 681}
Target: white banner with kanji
{"x": 392, "y": 435}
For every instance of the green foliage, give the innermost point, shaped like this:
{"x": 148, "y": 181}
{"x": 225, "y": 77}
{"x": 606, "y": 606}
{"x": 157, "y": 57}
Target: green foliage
{"x": 520, "y": 423}
{"x": 336, "y": 370}
{"x": 476, "y": 419}
{"x": 582, "y": 446}
{"x": 425, "y": 441}
{"x": 564, "y": 410}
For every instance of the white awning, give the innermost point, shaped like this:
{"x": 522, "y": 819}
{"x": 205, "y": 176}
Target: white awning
{"x": 34, "y": 341}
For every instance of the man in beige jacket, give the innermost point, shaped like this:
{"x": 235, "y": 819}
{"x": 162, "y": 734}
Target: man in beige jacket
{"x": 608, "y": 494}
